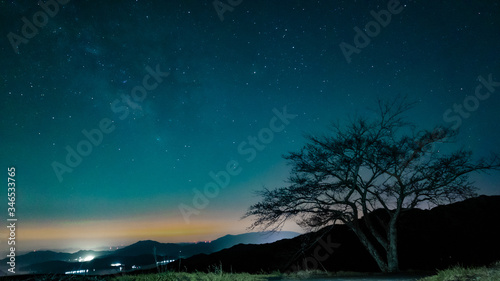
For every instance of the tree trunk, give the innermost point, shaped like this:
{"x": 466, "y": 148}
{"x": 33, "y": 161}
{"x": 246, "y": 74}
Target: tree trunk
{"x": 372, "y": 250}
{"x": 392, "y": 250}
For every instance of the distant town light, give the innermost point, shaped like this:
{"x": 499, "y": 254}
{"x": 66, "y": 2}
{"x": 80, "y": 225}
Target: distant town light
{"x": 77, "y": 271}
{"x": 88, "y": 258}
{"x": 164, "y": 262}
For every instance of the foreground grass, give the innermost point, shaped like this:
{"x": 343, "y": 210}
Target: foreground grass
{"x": 175, "y": 276}
{"x": 224, "y": 276}
{"x": 491, "y": 273}
{"x": 306, "y": 274}
{"x": 467, "y": 274}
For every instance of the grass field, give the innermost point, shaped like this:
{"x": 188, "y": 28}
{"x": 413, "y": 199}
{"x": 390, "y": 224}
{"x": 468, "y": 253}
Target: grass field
{"x": 171, "y": 276}
{"x": 491, "y": 273}
{"x": 165, "y": 276}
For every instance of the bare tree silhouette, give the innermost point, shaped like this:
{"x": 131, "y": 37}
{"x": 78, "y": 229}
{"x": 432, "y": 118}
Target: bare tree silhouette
{"x": 384, "y": 164}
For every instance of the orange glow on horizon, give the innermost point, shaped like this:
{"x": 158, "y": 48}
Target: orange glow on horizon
{"x": 101, "y": 234}
{"x": 116, "y": 229}
{"x": 97, "y": 233}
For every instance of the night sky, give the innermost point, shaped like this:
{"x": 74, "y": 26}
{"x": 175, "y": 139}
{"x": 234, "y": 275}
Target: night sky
{"x": 152, "y": 99}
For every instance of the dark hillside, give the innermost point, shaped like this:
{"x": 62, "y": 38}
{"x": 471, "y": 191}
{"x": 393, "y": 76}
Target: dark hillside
{"x": 464, "y": 233}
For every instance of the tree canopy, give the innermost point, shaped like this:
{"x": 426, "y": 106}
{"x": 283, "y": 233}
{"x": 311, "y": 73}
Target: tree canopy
{"x": 385, "y": 163}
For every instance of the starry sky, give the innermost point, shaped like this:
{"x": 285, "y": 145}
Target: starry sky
{"x": 117, "y": 115}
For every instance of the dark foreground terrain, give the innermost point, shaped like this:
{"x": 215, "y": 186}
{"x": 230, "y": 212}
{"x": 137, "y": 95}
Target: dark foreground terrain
{"x": 464, "y": 233}
{"x": 171, "y": 276}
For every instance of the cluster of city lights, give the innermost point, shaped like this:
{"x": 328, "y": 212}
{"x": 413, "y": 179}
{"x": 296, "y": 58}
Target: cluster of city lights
{"x": 85, "y": 259}
{"x": 82, "y": 271}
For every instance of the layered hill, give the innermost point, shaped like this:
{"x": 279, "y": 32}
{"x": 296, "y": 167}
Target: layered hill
{"x": 464, "y": 233}
{"x": 137, "y": 255}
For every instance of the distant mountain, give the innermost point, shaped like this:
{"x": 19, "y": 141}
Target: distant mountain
{"x": 45, "y": 256}
{"x": 95, "y": 266}
{"x": 464, "y": 233}
{"x": 253, "y": 238}
{"x": 173, "y": 250}
{"x": 138, "y": 254}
